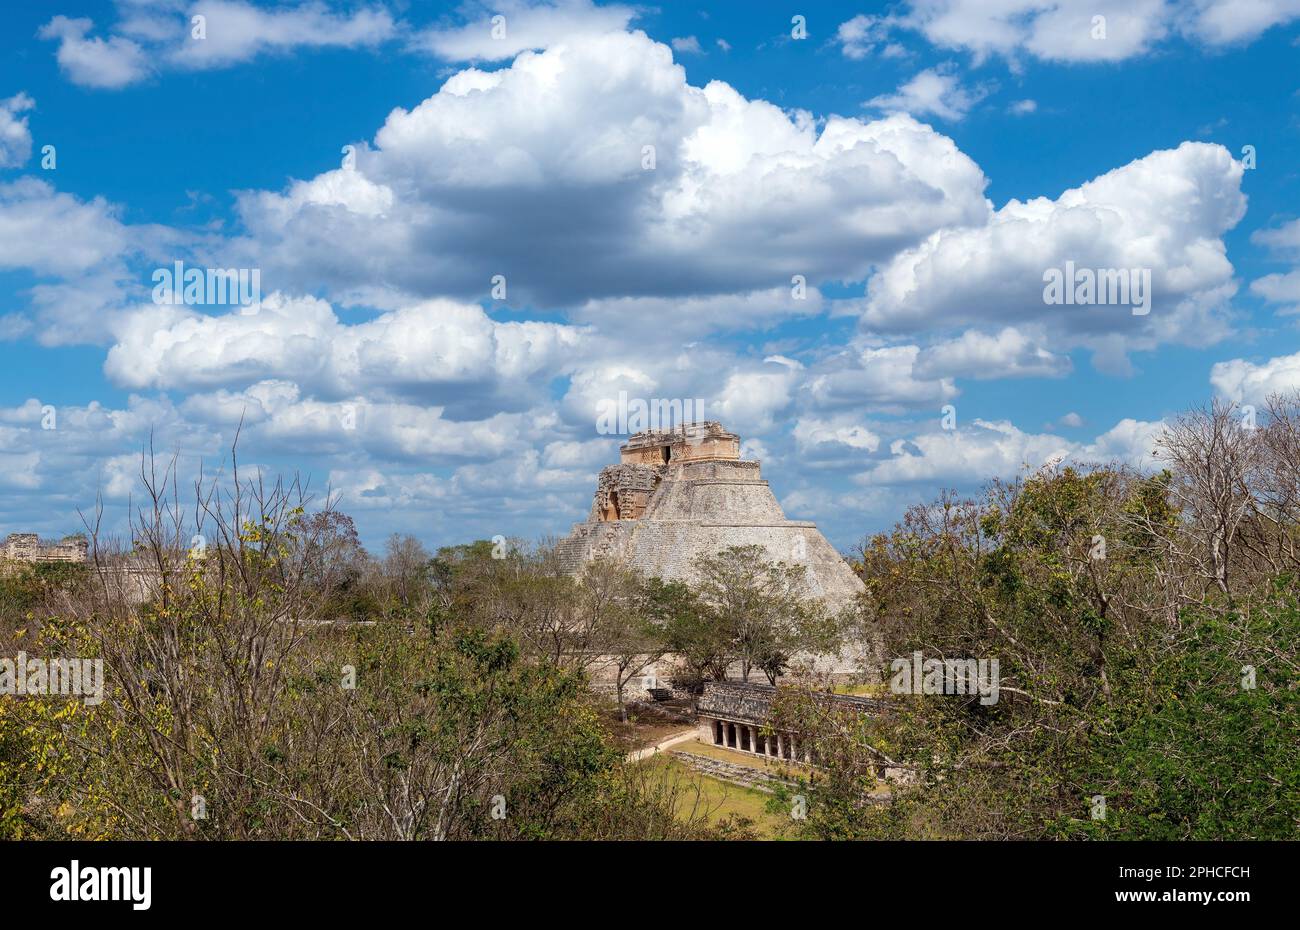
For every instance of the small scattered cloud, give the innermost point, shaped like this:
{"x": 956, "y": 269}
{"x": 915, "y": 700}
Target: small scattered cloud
{"x": 933, "y": 92}
{"x": 864, "y": 36}
{"x": 91, "y": 61}
{"x": 687, "y": 45}
{"x": 1281, "y": 289}
{"x": 1097, "y": 31}
{"x": 157, "y": 35}
{"x": 1282, "y": 240}
{"x": 15, "y": 137}
{"x": 1209, "y": 129}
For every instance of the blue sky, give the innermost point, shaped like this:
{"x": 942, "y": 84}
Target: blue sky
{"x": 919, "y": 164}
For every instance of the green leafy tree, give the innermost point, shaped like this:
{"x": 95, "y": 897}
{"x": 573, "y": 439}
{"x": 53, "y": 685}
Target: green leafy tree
{"x": 763, "y": 609}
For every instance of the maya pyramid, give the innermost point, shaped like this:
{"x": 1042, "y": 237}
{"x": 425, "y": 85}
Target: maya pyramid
{"x": 683, "y": 494}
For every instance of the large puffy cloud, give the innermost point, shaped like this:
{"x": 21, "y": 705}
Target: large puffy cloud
{"x": 1166, "y": 212}
{"x": 749, "y": 396}
{"x": 431, "y": 348}
{"x": 751, "y": 399}
{"x": 538, "y": 172}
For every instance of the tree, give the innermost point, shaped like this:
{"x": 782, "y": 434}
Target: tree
{"x": 407, "y": 575}
{"x": 334, "y": 560}
{"x": 637, "y": 636}
{"x": 702, "y": 645}
{"x": 764, "y": 607}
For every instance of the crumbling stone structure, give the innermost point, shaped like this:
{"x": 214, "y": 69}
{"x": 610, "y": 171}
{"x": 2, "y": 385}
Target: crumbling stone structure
{"x": 623, "y": 492}
{"x": 27, "y": 547}
{"x": 684, "y": 494}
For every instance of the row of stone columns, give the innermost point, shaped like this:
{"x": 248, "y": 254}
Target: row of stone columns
{"x": 746, "y": 738}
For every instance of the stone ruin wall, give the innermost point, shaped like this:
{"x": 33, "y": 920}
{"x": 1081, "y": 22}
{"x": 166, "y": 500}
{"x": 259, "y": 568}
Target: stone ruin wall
{"x": 27, "y": 547}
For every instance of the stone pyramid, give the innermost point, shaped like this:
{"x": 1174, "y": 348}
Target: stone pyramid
{"x": 683, "y": 494}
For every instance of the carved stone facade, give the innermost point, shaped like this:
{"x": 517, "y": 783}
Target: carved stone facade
{"x": 27, "y": 547}
{"x": 681, "y": 495}
{"x": 623, "y": 492}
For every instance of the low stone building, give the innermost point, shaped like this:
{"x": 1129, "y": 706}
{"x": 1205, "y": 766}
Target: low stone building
{"x": 738, "y": 715}
{"x": 27, "y": 547}
{"x": 684, "y": 494}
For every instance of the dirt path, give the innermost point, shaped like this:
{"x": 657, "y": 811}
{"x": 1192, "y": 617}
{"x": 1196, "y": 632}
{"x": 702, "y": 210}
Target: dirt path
{"x": 638, "y": 754}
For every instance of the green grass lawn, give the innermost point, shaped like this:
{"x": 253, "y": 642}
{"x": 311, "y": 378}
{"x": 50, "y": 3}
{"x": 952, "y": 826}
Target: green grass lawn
{"x": 876, "y": 690}
{"x": 715, "y": 799}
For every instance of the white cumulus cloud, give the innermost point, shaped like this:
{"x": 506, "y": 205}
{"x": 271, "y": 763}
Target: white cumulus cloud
{"x": 1166, "y": 212}
{"x": 593, "y": 170}
{"x": 933, "y": 92}
{"x": 15, "y": 137}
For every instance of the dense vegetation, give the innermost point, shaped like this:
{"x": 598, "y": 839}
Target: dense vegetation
{"x": 1147, "y": 631}
{"x": 268, "y": 677}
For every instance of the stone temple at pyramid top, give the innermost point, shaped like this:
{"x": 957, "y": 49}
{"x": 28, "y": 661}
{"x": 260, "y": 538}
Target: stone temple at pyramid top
{"x": 692, "y": 442}
{"x": 677, "y": 496}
